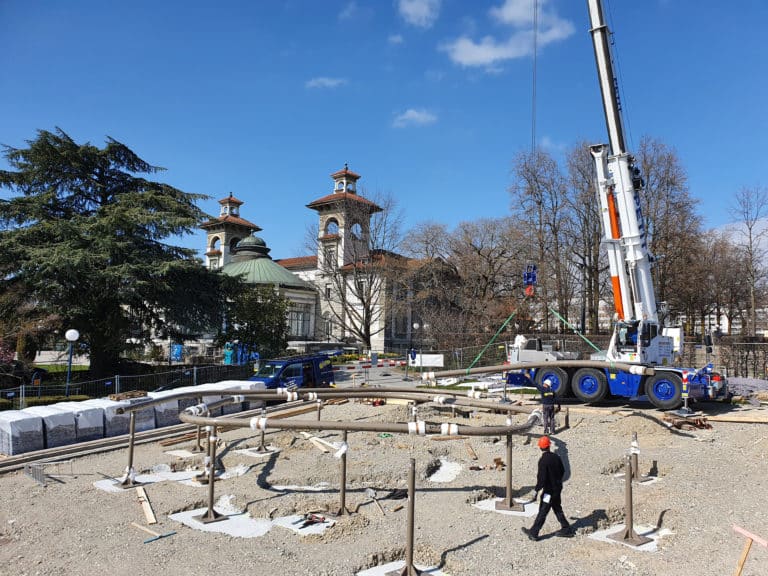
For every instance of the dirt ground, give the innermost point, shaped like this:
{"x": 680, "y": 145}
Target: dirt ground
{"x": 706, "y": 481}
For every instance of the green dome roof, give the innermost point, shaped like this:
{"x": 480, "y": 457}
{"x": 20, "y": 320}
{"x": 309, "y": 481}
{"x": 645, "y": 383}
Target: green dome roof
{"x": 251, "y": 261}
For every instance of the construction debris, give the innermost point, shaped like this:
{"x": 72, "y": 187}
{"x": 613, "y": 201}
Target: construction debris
{"x": 127, "y": 395}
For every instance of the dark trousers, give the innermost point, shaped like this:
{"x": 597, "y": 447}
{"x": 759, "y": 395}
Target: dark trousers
{"x": 549, "y": 418}
{"x": 544, "y": 508}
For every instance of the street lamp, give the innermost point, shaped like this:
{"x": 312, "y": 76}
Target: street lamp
{"x": 71, "y": 335}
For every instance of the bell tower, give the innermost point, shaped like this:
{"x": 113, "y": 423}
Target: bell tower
{"x": 224, "y": 232}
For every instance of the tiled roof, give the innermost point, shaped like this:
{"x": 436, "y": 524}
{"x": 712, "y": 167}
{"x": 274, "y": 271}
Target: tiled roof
{"x": 229, "y": 219}
{"x": 231, "y": 200}
{"x": 345, "y": 172}
{"x": 298, "y": 262}
{"x": 340, "y": 197}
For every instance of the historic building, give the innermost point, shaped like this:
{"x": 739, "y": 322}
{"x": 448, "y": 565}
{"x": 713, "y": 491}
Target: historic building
{"x": 335, "y": 294}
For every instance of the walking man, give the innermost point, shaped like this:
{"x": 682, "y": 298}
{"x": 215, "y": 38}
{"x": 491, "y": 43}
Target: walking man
{"x": 550, "y": 481}
{"x": 548, "y": 402}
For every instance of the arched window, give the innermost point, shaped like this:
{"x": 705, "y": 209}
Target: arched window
{"x": 233, "y": 244}
{"x": 331, "y": 227}
{"x": 215, "y": 244}
{"x": 357, "y": 231}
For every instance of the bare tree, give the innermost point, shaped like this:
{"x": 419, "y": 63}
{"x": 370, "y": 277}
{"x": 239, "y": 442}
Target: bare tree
{"x": 585, "y": 235}
{"x": 750, "y": 210}
{"x": 539, "y": 199}
{"x": 669, "y": 212}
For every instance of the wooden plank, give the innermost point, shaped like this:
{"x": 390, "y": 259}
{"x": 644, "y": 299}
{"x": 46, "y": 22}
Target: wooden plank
{"x": 743, "y": 419}
{"x": 471, "y": 451}
{"x": 751, "y": 536}
{"x": 149, "y": 514}
{"x": 147, "y": 530}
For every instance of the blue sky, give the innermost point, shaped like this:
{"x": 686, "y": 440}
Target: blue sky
{"x": 429, "y": 100}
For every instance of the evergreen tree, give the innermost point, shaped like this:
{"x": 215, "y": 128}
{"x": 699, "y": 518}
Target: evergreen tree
{"x": 257, "y": 319}
{"x": 84, "y": 239}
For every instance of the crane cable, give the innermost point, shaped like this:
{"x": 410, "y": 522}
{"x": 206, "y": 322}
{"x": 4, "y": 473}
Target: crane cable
{"x": 535, "y": 54}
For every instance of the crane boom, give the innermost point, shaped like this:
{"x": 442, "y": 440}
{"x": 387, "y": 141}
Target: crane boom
{"x": 619, "y": 184}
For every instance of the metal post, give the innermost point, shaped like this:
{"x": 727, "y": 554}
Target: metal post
{"x": 343, "y": 488}
{"x": 263, "y": 446}
{"x": 211, "y": 515}
{"x": 628, "y": 534}
{"x": 509, "y": 504}
{"x": 634, "y": 451}
{"x": 22, "y": 397}
{"x": 128, "y": 481}
{"x": 117, "y": 383}
{"x": 319, "y": 408}
{"x": 409, "y": 569}
{"x": 69, "y": 371}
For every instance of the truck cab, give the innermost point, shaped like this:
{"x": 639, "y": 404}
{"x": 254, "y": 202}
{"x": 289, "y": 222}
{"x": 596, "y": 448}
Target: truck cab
{"x": 313, "y": 371}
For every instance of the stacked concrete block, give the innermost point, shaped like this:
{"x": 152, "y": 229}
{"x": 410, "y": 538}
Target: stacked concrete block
{"x": 167, "y": 413}
{"x": 58, "y": 425}
{"x": 245, "y": 386}
{"x": 20, "y": 432}
{"x": 89, "y": 422}
{"x": 114, "y": 424}
{"x": 145, "y": 417}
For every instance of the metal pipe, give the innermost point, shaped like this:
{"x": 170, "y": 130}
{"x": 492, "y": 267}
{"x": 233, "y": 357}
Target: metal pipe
{"x": 409, "y": 569}
{"x": 343, "y": 488}
{"x": 211, "y": 515}
{"x": 628, "y": 534}
{"x": 508, "y": 503}
{"x": 420, "y": 428}
{"x": 128, "y": 481}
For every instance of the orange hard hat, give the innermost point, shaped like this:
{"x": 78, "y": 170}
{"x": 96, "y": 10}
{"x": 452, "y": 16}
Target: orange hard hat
{"x": 544, "y": 442}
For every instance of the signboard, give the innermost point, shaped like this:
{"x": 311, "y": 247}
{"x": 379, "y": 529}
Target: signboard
{"x": 431, "y": 360}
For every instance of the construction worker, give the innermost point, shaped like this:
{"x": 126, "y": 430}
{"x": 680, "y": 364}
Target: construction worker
{"x": 549, "y": 481}
{"x": 548, "y": 402}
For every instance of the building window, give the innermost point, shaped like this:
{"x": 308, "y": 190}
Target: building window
{"x": 213, "y": 263}
{"x": 328, "y": 289}
{"x": 298, "y": 320}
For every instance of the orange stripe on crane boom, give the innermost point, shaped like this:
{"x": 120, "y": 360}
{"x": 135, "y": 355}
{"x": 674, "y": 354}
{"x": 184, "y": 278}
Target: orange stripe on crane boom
{"x": 613, "y": 214}
{"x": 618, "y": 303}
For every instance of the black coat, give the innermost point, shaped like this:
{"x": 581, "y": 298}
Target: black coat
{"x": 551, "y": 472}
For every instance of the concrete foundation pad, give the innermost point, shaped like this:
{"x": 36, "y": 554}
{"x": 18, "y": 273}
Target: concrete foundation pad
{"x": 294, "y": 523}
{"x": 182, "y": 453}
{"x": 114, "y": 485}
{"x": 322, "y": 487}
{"x": 644, "y": 480}
{"x": 531, "y": 508}
{"x": 385, "y": 569}
{"x": 254, "y": 452}
{"x": 237, "y": 525}
{"x": 647, "y": 531}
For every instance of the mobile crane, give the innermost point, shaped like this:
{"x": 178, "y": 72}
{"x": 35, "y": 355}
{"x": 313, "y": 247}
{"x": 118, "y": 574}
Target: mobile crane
{"x": 638, "y": 338}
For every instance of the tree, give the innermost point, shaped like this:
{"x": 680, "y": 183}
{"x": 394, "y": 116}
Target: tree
{"x": 586, "y": 233}
{"x": 750, "y": 210}
{"x": 539, "y": 201}
{"x": 670, "y": 216}
{"x": 84, "y": 240}
{"x": 257, "y": 318}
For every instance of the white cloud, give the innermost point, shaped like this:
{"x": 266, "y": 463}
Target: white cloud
{"x": 349, "y": 11}
{"x": 325, "y": 82}
{"x": 414, "y": 117}
{"x": 421, "y": 13}
{"x": 395, "y": 39}
{"x": 490, "y": 51}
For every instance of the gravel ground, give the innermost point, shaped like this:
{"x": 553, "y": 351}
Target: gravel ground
{"x": 708, "y": 481}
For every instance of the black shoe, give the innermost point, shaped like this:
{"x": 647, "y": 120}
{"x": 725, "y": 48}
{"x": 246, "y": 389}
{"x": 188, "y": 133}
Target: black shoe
{"x": 531, "y": 536}
{"x": 566, "y": 532}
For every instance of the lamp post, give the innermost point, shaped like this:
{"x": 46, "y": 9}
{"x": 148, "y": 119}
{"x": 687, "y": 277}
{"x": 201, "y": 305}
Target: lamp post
{"x": 71, "y": 335}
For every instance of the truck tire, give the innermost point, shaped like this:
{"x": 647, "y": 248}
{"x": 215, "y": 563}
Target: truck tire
{"x": 589, "y": 384}
{"x": 558, "y": 376}
{"x": 664, "y": 390}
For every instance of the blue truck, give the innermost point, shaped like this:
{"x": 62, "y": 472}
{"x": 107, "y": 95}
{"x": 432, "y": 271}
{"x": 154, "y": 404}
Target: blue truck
{"x": 312, "y": 371}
